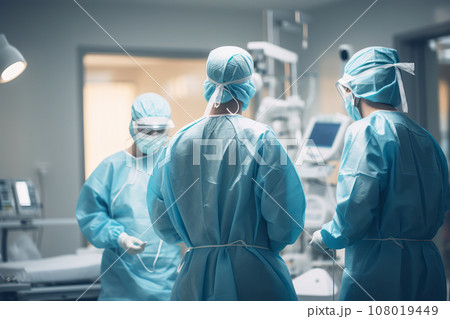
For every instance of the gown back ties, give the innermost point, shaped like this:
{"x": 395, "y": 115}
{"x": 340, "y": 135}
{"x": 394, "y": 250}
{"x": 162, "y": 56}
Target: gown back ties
{"x": 237, "y": 243}
{"x": 397, "y": 240}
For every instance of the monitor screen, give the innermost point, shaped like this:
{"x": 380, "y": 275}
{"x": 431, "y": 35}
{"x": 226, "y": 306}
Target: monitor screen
{"x": 23, "y": 194}
{"x": 323, "y": 134}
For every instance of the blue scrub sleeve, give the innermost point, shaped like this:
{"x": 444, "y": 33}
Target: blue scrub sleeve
{"x": 444, "y": 173}
{"x": 279, "y": 193}
{"x": 92, "y": 212}
{"x": 362, "y": 176}
{"x": 159, "y": 214}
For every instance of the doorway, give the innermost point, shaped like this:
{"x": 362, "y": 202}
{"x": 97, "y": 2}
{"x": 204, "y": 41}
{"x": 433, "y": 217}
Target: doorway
{"x": 428, "y": 95}
{"x": 112, "y": 81}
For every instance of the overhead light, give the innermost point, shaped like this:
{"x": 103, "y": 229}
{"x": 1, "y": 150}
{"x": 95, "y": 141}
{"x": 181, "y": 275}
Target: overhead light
{"x": 12, "y": 63}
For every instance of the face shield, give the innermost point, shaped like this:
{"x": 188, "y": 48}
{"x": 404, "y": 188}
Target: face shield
{"x": 343, "y": 89}
{"x": 351, "y": 102}
{"x": 150, "y": 133}
{"x": 153, "y": 125}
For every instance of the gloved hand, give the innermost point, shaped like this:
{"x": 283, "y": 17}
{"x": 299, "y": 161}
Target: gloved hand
{"x": 317, "y": 242}
{"x": 131, "y": 244}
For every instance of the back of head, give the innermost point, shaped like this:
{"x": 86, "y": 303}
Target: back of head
{"x": 230, "y": 64}
{"x": 380, "y": 85}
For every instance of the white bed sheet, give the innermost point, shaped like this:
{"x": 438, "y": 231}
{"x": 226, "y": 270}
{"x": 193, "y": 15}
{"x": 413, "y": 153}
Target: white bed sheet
{"x": 65, "y": 268}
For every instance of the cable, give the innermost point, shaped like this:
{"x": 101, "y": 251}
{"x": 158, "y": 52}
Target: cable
{"x": 156, "y": 258}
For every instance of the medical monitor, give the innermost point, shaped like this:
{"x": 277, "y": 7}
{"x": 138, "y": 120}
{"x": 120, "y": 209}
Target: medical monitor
{"x": 324, "y": 134}
{"x": 324, "y": 137}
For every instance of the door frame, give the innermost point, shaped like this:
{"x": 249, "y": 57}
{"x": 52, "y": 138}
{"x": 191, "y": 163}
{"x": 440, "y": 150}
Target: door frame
{"x": 411, "y": 47}
{"x": 175, "y": 53}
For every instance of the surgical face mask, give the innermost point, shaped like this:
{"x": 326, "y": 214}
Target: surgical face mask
{"x": 151, "y": 133}
{"x": 149, "y": 144}
{"x": 350, "y": 102}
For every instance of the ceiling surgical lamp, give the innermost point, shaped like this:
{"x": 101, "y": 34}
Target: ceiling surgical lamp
{"x": 12, "y": 63}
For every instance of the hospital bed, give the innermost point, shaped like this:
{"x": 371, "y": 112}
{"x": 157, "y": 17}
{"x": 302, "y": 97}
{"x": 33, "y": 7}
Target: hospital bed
{"x": 65, "y": 277}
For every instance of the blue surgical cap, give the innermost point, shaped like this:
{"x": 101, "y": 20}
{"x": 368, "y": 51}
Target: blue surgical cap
{"x": 148, "y": 105}
{"x": 379, "y": 86}
{"x": 228, "y": 64}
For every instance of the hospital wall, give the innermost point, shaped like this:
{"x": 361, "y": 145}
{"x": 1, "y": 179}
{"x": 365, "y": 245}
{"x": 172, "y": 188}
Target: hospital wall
{"x": 40, "y": 112}
{"x": 378, "y": 26}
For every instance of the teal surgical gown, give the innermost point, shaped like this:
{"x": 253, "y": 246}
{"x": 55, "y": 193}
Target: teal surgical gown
{"x": 112, "y": 201}
{"x": 392, "y": 194}
{"x": 226, "y": 180}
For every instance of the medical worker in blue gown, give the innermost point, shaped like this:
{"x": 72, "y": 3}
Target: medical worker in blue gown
{"x": 227, "y": 189}
{"x": 112, "y": 212}
{"x": 392, "y": 190}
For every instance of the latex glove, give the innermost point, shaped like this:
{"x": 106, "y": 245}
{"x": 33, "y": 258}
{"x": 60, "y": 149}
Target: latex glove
{"x": 317, "y": 242}
{"x": 131, "y": 244}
